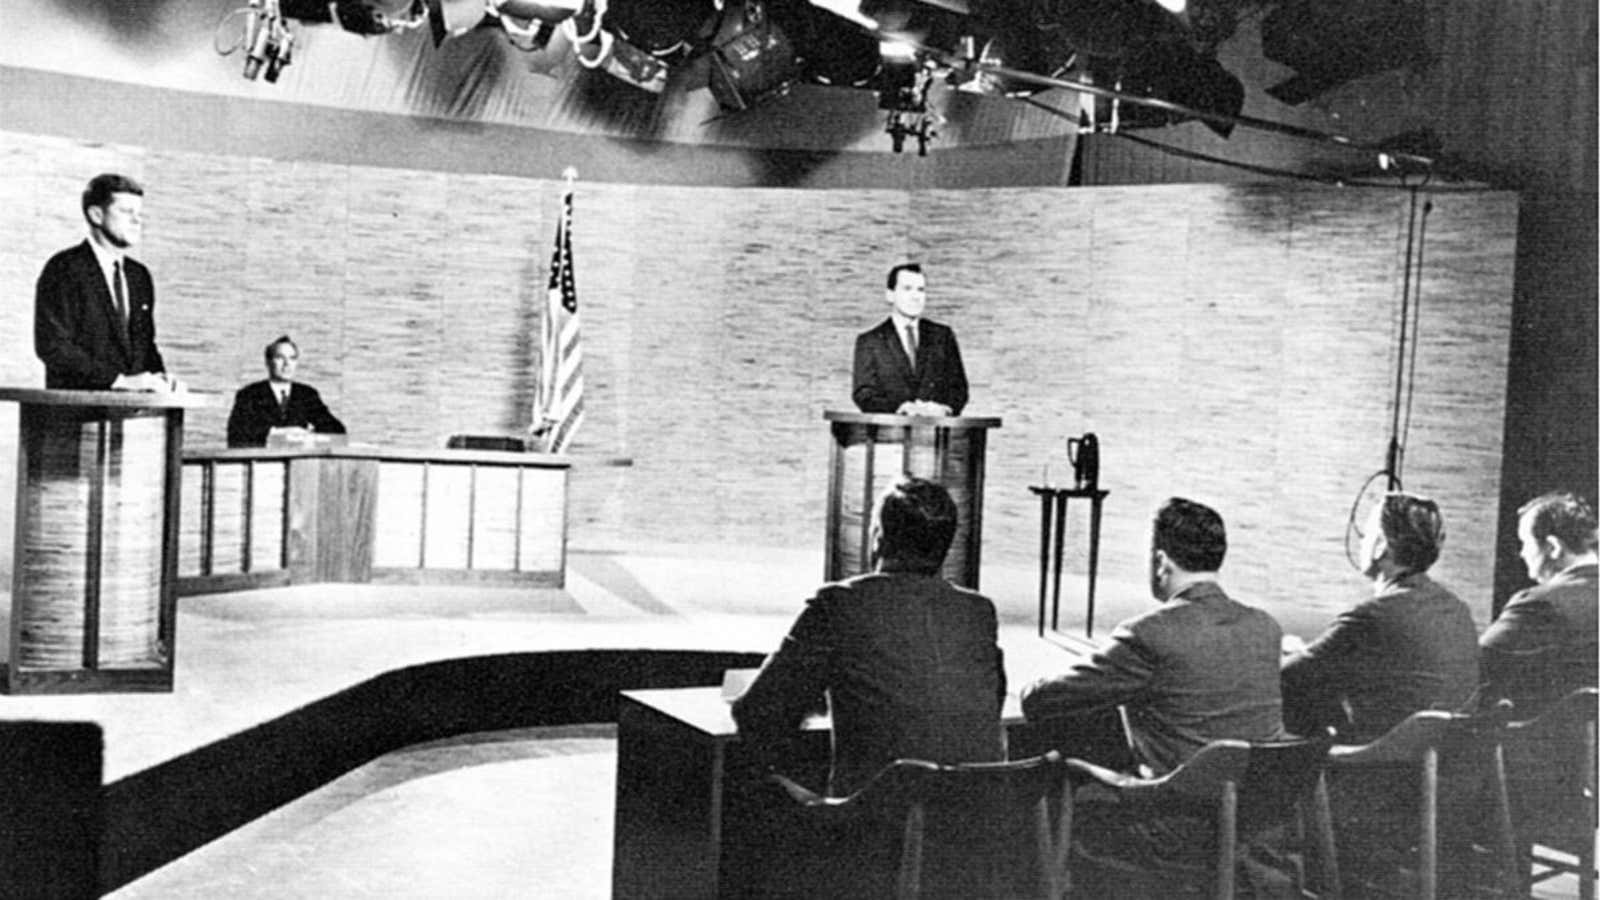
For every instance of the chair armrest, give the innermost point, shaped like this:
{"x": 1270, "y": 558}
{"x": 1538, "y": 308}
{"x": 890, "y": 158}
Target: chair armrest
{"x": 1082, "y": 771}
{"x": 797, "y": 791}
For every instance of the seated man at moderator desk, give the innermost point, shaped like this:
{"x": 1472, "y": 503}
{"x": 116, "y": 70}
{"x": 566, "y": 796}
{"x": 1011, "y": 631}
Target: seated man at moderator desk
{"x": 906, "y": 662}
{"x": 908, "y": 365}
{"x": 279, "y": 404}
{"x": 1198, "y": 668}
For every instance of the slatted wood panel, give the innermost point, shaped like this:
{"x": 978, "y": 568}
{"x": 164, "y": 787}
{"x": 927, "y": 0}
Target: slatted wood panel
{"x": 1233, "y": 344}
{"x": 355, "y": 519}
{"x": 89, "y": 587}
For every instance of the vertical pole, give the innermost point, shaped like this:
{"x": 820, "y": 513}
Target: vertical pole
{"x": 96, "y": 545}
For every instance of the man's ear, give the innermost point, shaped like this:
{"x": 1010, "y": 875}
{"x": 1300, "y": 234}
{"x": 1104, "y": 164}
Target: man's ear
{"x": 1552, "y": 547}
{"x": 97, "y": 215}
{"x": 1380, "y": 548}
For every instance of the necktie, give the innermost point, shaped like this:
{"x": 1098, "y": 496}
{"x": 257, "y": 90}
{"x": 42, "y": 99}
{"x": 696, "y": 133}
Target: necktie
{"x": 120, "y": 296}
{"x": 911, "y": 343}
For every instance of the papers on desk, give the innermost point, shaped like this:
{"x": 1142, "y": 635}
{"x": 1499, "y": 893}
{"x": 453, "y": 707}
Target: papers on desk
{"x": 303, "y": 437}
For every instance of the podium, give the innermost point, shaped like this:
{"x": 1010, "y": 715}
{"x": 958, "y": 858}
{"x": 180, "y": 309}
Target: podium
{"x": 872, "y": 451}
{"x": 93, "y": 594}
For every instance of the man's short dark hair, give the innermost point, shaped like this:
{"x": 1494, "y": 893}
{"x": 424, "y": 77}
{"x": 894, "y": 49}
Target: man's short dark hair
{"x": 894, "y": 273}
{"x": 1564, "y": 515}
{"x": 917, "y": 522}
{"x": 266, "y": 352}
{"x": 103, "y": 186}
{"x": 1414, "y": 529}
{"x": 1191, "y": 534}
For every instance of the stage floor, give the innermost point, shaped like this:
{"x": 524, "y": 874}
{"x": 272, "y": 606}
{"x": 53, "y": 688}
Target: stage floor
{"x": 247, "y": 657}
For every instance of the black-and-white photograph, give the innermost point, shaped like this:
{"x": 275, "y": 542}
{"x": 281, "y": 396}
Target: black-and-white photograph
{"x": 1094, "y": 449}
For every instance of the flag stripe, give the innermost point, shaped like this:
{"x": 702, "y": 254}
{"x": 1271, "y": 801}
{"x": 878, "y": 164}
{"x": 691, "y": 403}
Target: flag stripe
{"x": 561, "y": 373}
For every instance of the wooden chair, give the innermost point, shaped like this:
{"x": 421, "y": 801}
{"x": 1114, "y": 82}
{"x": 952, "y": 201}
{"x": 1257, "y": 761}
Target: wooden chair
{"x": 1551, "y": 774}
{"x": 1421, "y": 743}
{"x": 1248, "y": 787}
{"x": 921, "y": 795}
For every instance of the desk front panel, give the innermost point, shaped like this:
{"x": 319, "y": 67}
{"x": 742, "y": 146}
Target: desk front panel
{"x": 695, "y": 815}
{"x": 260, "y": 518}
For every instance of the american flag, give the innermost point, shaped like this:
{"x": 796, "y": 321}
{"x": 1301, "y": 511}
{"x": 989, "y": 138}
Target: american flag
{"x": 561, "y": 382}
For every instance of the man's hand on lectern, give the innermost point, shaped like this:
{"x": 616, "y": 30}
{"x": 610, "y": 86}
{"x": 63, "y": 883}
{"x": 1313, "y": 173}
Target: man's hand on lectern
{"x": 150, "y": 382}
{"x": 923, "y": 408}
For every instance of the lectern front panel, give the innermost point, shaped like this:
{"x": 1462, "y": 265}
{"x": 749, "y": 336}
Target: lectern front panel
{"x": 87, "y": 611}
{"x": 871, "y": 452}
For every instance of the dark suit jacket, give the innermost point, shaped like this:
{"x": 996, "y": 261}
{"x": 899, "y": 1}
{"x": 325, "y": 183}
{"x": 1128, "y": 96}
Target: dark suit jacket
{"x": 910, "y": 665}
{"x": 1542, "y": 647}
{"x": 77, "y": 331}
{"x": 255, "y": 412}
{"x": 882, "y": 377}
{"x": 1411, "y": 647}
{"x": 1198, "y": 668}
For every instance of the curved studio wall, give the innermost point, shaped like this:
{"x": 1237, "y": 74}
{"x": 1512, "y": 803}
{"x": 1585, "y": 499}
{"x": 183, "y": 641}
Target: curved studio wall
{"x": 1230, "y": 343}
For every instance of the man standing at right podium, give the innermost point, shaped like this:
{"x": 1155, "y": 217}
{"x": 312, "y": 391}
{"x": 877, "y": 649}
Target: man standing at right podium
{"x": 908, "y": 365}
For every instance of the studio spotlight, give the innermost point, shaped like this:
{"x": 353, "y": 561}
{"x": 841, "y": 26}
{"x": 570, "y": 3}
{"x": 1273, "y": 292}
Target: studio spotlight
{"x": 528, "y": 24}
{"x": 267, "y": 41}
{"x": 902, "y": 85}
{"x": 897, "y": 78}
{"x": 1178, "y": 74}
{"x": 1329, "y": 43}
{"x": 751, "y": 59}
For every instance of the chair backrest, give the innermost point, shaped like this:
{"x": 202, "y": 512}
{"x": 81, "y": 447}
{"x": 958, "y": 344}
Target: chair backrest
{"x": 981, "y": 814}
{"x": 1199, "y": 778}
{"x": 969, "y": 785}
{"x": 1429, "y": 729}
{"x": 1576, "y": 707}
{"x": 1279, "y": 775}
{"x": 1551, "y": 763}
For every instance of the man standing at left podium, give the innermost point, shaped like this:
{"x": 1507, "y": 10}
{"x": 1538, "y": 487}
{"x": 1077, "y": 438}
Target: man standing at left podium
{"x": 93, "y": 311}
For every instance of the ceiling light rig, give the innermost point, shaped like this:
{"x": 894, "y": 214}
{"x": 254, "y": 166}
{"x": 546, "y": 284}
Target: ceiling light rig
{"x": 1135, "y": 63}
{"x": 902, "y": 86}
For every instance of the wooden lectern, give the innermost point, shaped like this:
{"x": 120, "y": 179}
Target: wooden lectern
{"x": 871, "y": 451}
{"x": 93, "y": 596}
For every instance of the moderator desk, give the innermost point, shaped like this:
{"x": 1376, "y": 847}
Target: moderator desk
{"x": 686, "y": 795}
{"x": 1052, "y": 535}
{"x": 264, "y": 517}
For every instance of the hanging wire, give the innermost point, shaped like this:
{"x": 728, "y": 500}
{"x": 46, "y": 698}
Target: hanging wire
{"x": 1405, "y": 384}
{"x": 1416, "y": 321}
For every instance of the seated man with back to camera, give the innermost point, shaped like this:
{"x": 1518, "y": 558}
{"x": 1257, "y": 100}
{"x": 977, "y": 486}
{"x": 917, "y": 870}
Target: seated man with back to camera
{"x": 1542, "y": 645}
{"x": 1411, "y": 646}
{"x": 1200, "y": 667}
{"x": 907, "y": 663}
{"x": 278, "y": 402}
{"x": 1540, "y": 649}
